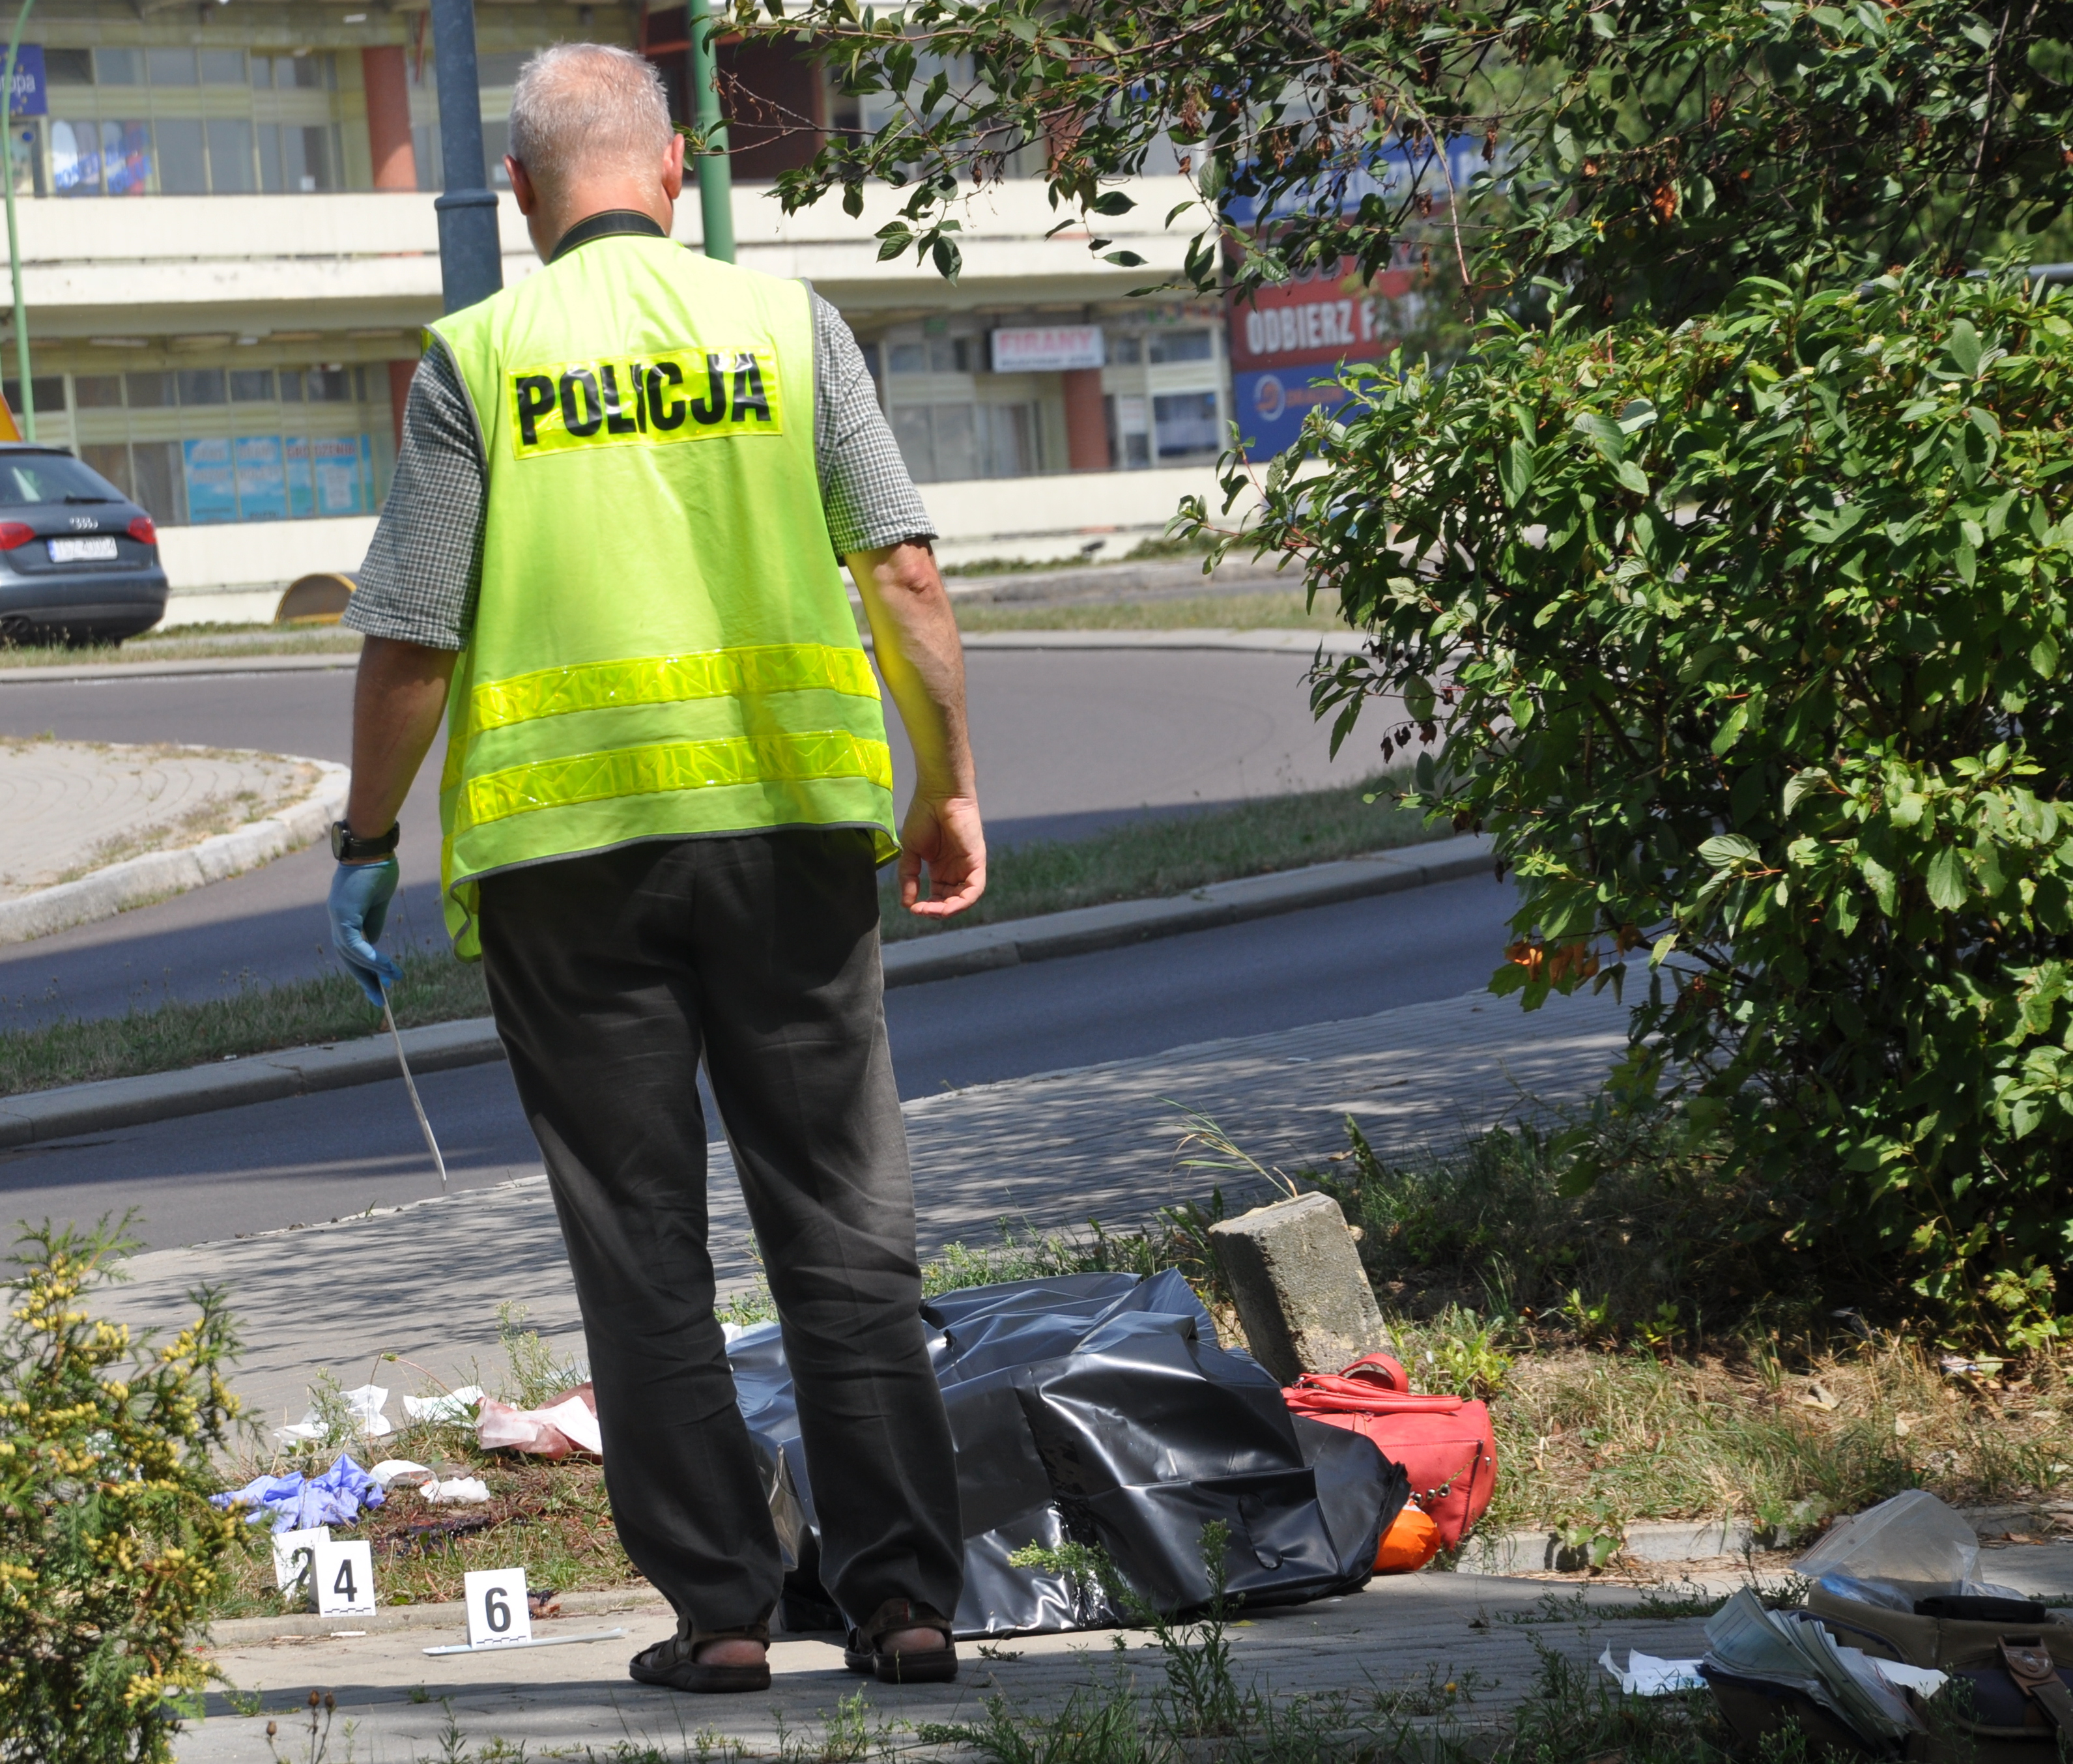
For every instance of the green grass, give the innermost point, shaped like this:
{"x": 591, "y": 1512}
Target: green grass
{"x": 190, "y": 643}
{"x": 1149, "y": 859}
{"x": 1141, "y": 859}
{"x": 1278, "y": 609}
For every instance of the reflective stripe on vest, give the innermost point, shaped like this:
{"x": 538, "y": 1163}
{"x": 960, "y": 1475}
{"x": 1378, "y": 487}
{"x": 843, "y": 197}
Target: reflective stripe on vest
{"x": 676, "y": 765}
{"x": 748, "y": 673}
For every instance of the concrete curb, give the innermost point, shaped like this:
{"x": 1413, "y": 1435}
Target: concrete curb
{"x": 439, "y": 1047}
{"x": 168, "y": 669}
{"x": 1299, "y": 643}
{"x": 949, "y": 954}
{"x": 1647, "y": 1540}
{"x": 231, "y": 1631}
{"x": 157, "y": 874}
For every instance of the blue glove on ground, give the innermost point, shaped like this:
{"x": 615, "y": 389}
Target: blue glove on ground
{"x": 359, "y": 904}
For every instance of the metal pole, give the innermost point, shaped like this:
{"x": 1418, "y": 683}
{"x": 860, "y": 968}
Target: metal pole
{"x": 470, "y": 261}
{"x": 715, "y": 178}
{"x": 14, "y": 241}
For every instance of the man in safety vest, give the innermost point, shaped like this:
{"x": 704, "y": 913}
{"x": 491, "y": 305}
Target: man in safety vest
{"x": 609, "y": 558}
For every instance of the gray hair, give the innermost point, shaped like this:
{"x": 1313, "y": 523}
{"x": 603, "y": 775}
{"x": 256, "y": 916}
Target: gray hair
{"x": 582, "y": 105}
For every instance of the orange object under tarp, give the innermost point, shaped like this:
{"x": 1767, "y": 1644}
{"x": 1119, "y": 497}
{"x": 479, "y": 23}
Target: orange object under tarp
{"x": 1410, "y": 1542}
{"x": 10, "y": 429}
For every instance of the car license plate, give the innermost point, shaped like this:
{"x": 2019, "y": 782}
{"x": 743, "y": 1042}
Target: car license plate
{"x": 99, "y": 550}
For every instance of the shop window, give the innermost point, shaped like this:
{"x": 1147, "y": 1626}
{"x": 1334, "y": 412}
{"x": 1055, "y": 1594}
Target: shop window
{"x": 125, "y": 158}
{"x": 944, "y": 441}
{"x": 908, "y": 357}
{"x": 153, "y": 391}
{"x": 118, "y": 67}
{"x": 330, "y": 385}
{"x": 68, "y": 67}
{"x": 156, "y": 483}
{"x": 183, "y": 160}
{"x": 48, "y": 388}
{"x": 1179, "y": 346}
{"x": 251, "y": 385}
{"x": 223, "y": 68}
{"x": 1126, "y": 348}
{"x": 1129, "y": 430}
{"x": 230, "y": 169}
{"x": 201, "y": 386}
{"x": 1186, "y": 422}
{"x": 97, "y": 392}
{"x": 111, "y": 459}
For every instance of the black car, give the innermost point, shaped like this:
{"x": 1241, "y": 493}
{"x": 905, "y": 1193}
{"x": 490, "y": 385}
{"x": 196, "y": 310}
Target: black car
{"x": 79, "y": 561}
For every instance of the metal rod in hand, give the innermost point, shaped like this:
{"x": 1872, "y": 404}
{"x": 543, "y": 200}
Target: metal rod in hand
{"x": 388, "y": 1016}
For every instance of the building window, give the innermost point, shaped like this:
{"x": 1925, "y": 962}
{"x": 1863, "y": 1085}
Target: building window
{"x": 1129, "y": 430}
{"x": 198, "y": 446}
{"x": 1186, "y": 422}
{"x": 130, "y": 122}
{"x": 1162, "y": 346}
{"x": 945, "y": 442}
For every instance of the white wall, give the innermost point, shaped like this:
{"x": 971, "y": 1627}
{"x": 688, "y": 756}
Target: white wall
{"x": 235, "y": 574}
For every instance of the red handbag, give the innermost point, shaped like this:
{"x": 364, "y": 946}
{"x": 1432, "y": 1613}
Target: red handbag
{"x": 1444, "y": 1443}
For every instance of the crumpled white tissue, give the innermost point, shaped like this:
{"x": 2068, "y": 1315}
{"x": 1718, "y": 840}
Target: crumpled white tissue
{"x": 365, "y": 1405}
{"x": 458, "y": 1491}
{"x": 454, "y": 1406}
{"x": 1646, "y": 1676}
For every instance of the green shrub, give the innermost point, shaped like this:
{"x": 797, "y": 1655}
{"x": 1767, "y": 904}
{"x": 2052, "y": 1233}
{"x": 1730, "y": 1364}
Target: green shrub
{"x": 1744, "y": 639}
{"x": 109, "y": 1550}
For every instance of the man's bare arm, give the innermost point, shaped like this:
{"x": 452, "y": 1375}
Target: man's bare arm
{"x": 398, "y": 698}
{"x": 916, "y": 638}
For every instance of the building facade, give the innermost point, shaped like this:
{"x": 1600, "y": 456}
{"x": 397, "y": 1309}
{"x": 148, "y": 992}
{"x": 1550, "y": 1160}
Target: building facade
{"x": 229, "y": 251}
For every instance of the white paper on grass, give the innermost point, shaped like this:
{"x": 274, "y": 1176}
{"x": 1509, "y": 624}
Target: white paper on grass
{"x": 459, "y": 1405}
{"x": 1751, "y": 1641}
{"x": 574, "y": 1418}
{"x": 390, "y": 1468}
{"x": 1646, "y": 1676}
{"x": 1923, "y": 1680}
{"x": 363, "y": 1405}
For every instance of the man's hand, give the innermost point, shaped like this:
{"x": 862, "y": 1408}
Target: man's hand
{"x": 943, "y": 833}
{"x": 359, "y": 906}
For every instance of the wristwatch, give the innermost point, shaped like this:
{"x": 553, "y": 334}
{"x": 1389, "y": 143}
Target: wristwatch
{"x": 348, "y": 848}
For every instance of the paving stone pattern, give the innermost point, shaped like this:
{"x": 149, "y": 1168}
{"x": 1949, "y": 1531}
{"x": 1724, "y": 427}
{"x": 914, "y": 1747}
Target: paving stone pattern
{"x": 70, "y": 807}
{"x": 1047, "y": 1152}
{"x": 1402, "y": 1633}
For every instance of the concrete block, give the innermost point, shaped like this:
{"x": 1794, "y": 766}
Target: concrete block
{"x": 1300, "y": 1291}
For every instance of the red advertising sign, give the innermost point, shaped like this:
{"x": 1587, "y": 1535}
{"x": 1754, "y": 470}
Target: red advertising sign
{"x": 1313, "y": 321}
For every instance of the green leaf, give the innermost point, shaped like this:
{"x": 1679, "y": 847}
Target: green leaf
{"x": 1129, "y": 260}
{"x": 1114, "y": 202}
{"x": 1727, "y": 849}
{"x": 1963, "y": 347}
{"x": 1631, "y": 477}
{"x": 2044, "y": 657}
{"x": 1515, "y": 473}
{"x": 1946, "y": 879}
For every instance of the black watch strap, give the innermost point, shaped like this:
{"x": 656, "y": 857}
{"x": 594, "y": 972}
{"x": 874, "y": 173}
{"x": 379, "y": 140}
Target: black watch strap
{"x": 348, "y": 848}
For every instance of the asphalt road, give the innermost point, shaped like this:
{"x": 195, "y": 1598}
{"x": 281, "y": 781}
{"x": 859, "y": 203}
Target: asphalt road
{"x": 315, "y": 1158}
{"x": 1066, "y": 741}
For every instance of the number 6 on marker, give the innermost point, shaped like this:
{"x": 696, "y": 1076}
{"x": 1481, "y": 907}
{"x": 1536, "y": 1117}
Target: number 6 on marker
{"x": 496, "y": 1611}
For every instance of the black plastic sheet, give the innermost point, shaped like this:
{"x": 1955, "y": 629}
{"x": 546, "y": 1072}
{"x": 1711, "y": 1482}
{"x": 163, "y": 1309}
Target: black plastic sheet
{"x": 1100, "y": 1408}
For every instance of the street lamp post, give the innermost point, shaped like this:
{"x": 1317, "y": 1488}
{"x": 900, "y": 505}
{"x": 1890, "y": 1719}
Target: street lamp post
{"x": 470, "y": 259}
{"x": 715, "y": 181}
{"x": 14, "y": 242}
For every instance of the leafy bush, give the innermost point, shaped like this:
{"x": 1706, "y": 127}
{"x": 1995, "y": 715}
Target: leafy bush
{"x": 109, "y": 1550}
{"x": 1745, "y": 641}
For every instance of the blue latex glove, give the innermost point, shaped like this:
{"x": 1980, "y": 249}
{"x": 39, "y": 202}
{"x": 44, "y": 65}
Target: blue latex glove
{"x": 359, "y": 905}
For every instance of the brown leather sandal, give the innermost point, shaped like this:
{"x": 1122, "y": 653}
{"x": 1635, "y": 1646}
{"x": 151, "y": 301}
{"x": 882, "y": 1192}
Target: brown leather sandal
{"x": 672, "y": 1663}
{"x": 929, "y": 1666}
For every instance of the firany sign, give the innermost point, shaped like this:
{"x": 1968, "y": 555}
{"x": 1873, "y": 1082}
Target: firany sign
{"x": 1048, "y": 349}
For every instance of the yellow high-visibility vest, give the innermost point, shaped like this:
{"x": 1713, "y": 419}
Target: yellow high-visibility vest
{"x": 663, "y": 645}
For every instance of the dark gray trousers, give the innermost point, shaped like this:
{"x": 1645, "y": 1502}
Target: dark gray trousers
{"x": 610, "y": 975}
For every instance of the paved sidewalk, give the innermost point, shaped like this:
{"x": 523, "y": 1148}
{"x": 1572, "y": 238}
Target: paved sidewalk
{"x": 1405, "y": 1638}
{"x": 70, "y": 807}
{"x": 1048, "y": 1152}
